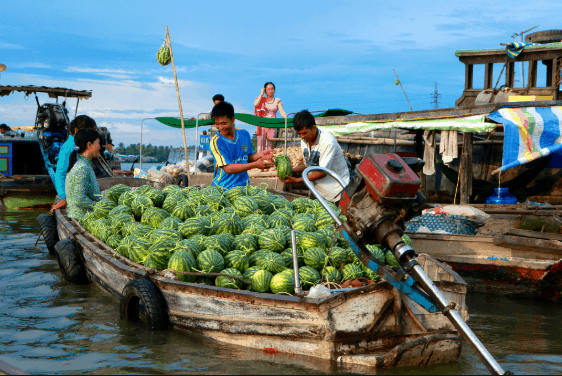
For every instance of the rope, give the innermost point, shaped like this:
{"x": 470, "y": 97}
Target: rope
{"x": 199, "y": 274}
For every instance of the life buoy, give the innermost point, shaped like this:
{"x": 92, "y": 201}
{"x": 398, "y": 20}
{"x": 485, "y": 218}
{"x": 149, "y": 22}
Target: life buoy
{"x": 142, "y": 301}
{"x": 48, "y": 225}
{"x": 70, "y": 262}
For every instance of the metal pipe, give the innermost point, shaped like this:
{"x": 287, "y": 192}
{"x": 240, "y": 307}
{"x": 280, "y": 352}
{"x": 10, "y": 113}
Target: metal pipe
{"x": 318, "y": 195}
{"x": 298, "y": 290}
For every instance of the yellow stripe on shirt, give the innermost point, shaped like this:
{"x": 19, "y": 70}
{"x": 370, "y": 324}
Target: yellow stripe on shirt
{"x": 215, "y": 150}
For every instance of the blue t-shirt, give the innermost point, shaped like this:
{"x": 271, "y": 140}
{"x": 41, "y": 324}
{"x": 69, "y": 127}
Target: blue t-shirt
{"x": 225, "y": 152}
{"x": 62, "y": 166}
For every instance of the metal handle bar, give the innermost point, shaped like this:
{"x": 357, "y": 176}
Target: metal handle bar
{"x": 318, "y": 195}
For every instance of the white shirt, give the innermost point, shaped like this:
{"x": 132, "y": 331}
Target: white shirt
{"x": 326, "y": 152}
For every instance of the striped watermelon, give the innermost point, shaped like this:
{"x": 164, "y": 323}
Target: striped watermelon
{"x": 282, "y": 282}
{"x": 233, "y": 193}
{"x": 261, "y": 281}
{"x": 218, "y": 243}
{"x": 406, "y": 239}
{"x": 142, "y": 231}
{"x": 139, "y": 250}
{"x": 195, "y": 226}
{"x": 182, "y": 261}
{"x": 324, "y": 220}
{"x": 102, "y": 234}
{"x": 118, "y": 210}
{"x": 300, "y": 255}
{"x": 246, "y": 243}
{"x": 254, "y": 220}
{"x": 390, "y": 259}
{"x": 288, "y": 258}
{"x": 309, "y": 276}
{"x": 170, "y": 188}
{"x": 285, "y": 212}
{"x": 150, "y": 263}
{"x": 275, "y": 221}
{"x": 284, "y": 169}
{"x": 272, "y": 239}
{"x": 254, "y": 257}
{"x": 377, "y": 251}
{"x": 140, "y": 204}
{"x": 290, "y": 271}
{"x": 161, "y": 252}
{"x": 203, "y": 211}
{"x": 280, "y": 202}
{"x": 143, "y": 189}
{"x": 281, "y": 157}
{"x": 315, "y": 258}
{"x": 157, "y": 197}
{"x": 229, "y": 238}
{"x": 250, "y": 272}
{"x": 171, "y": 201}
{"x": 194, "y": 203}
{"x": 170, "y": 223}
{"x": 128, "y": 228}
{"x": 245, "y": 205}
{"x": 125, "y": 245}
{"x": 264, "y": 203}
{"x": 183, "y": 211}
{"x": 210, "y": 261}
{"x": 200, "y": 240}
{"x": 254, "y": 231}
{"x": 286, "y": 230}
{"x": 298, "y": 234}
{"x": 369, "y": 273}
{"x": 331, "y": 274}
{"x": 272, "y": 262}
{"x": 121, "y": 220}
{"x": 116, "y": 191}
{"x": 238, "y": 260}
{"x": 351, "y": 271}
{"x": 229, "y": 223}
{"x": 103, "y": 207}
{"x": 164, "y": 234}
{"x": 227, "y": 282}
{"x": 301, "y": 204}
{"x": 310, "y": 240}
{"x": 127, "y": 198}
{"x": 153, "y": 217}
{"x": 337, "y": 257}
{"x": 304, "y": 222}
{"x": 216, "y": 201}
{"x": 190, "y": 246}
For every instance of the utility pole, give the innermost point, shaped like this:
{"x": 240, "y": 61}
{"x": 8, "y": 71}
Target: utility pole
{"x": 435, "y": 98}
{"x": 520, "y": 35}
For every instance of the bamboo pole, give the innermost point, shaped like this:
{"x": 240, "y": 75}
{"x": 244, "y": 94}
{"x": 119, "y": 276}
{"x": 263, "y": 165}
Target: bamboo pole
{"x": 400, "y": 82}
{"x": 179, "y": 100}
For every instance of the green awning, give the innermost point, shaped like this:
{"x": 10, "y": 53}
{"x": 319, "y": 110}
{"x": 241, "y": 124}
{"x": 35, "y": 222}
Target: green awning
{"x": 249, "y": 119}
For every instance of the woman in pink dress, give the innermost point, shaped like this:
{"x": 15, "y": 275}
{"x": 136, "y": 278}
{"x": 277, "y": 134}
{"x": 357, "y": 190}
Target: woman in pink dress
{"x": 267, "y": 107}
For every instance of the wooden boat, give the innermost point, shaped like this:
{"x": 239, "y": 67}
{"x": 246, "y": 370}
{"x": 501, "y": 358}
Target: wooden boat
{"x": 373, "y": 326}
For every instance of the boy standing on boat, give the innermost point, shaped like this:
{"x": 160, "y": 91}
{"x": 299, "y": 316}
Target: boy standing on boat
{"x": 233, "y": 151}
{"x": 319, "y": 148}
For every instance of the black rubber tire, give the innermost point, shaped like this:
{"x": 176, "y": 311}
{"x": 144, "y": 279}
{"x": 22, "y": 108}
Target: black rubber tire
{"x": 48, "y": 225}
{"x": 70, "y": 263}
{"x": 142, "y": 296}
{"x": 546, "y": 36}
{"x": 182, "y": 180}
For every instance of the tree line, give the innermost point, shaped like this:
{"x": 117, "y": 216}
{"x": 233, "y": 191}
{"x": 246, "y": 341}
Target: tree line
{"x": 159, "y": 152}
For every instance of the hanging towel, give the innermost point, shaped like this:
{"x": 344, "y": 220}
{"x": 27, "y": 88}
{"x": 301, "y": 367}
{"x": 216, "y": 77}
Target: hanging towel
{"x": 429, "y": 152}
{"x": 448, "y": 146}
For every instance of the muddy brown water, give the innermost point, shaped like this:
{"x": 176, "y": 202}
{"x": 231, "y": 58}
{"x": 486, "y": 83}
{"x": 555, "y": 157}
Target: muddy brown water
{"x": 48, "y": 326}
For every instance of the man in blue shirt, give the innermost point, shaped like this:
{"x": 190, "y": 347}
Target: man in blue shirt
{"x": 80, "y": 122}
{"x": 233, "y": 151}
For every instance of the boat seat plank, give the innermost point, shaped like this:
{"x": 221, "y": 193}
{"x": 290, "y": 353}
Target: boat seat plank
{"x": 527, "y": 244}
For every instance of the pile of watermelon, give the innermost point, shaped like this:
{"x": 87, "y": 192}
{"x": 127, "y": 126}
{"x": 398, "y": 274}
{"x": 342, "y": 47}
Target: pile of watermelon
{"x": 242, "y": 232}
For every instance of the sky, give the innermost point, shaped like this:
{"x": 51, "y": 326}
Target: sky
{"x": 319, "y": 54}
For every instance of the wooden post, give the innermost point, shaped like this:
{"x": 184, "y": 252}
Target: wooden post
{"x": 466, "y": 168}
{"x": 179, "y": 100}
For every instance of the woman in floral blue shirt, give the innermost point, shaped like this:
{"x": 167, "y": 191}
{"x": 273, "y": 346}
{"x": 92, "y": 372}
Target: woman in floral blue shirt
{"x": 82, "y": 189}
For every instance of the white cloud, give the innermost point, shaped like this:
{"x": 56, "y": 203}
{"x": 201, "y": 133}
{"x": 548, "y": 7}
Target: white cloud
{"x": 11, "y": 46}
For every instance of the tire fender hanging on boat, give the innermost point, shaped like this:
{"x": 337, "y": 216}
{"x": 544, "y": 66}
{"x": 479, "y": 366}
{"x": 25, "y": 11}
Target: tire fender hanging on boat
{"x": 48, "y": 225}
{"x": 182, "y": 179}
{"x": 142, "y": 292}
{"x": 70, "y": 262}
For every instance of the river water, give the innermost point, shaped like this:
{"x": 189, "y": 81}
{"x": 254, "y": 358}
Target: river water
{"x": 50, "y": 327}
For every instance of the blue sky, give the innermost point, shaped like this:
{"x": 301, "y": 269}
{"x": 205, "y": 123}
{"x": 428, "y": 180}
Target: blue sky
{"x": 319, "y": 54}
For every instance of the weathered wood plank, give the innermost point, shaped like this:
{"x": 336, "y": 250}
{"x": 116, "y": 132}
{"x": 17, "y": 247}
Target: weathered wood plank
{"x": 527, "y": 244}
{"x": 534, "y": 234}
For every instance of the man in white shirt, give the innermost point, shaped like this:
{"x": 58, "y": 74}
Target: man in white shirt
{"x": 319, "y": 148}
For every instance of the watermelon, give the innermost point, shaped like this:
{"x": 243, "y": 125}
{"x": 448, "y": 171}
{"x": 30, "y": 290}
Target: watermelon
{"x": 200, "y": 240}
{"x": 153, "y": 217}
{"x": 288, "y": 258}
{"x": 331, "y": 274}
{"x": 275, "y": 221}
{"x": 233, "y": 193}
{"x": 284, "y": 229}
{"x": 254, "y": 257}
{"x": 203, "y": 211}
{"x": 116, "y": 191}
{"x": 244, "y": 206}
{"x": 238, "y": 260}
{"x": 218, "y": 243}
{"x": 390, "y": 259}
{"x": 216, "y": 201}
{"x": 170, "y": 188}
{"x": 406, "y": 239}
{"x": 161, "y": 252}
{"x": 190, "y": 246}
{"x": 103, "y": 207}
{"x": 170, "y": 223}
{"x": 315, "y": 258}
{"x": 118, "y": 210}
{"x": 246, "y": 243}
{"x": 142, "y": 231}
{"x": 309, "y": 276}
{"x": 285, "y": 212}
{"x": 324, "y": 220}
{"x": 140, "y": 204}
{"x": 164, "y": 234}
{"x": 102, "y": 234}
{"x": 121, "y": 220}
{"x": 261, "y": 281}
{"x": 351, "y": 271}
{"x": 304, "y": 222}
{"x": 229, "y": 223}
{"x": 183, "y": 211}
{"x": 143, "y": 189}
{"x": 272, "y": 262}
{"x": 195, "y": 226}
{"x": 281, "y": 157}
{"x": 183, "y": 261}
{"x": 139, "y": 250}
{"x": 264, "y": 203}
{"x": 250, "y": 272}
{"x": 171, "y": 201}
{"x": 157, "y": 197}
{"x": 150, "y": 263}
{"x": 284, "y": 169}
{"x": 289, "y": 271}
{"x": 282, "y": 282}
{"x": 301, "y": 204}
{"x": 337, "y": 257}
{"x": 126, "y": 198}
{"x": 164, "y": 55}
{"x": 272, "y": 239}
{"x": 126, "y": 245}
{"x": 114, "y": 240}
{"x": 254, "y": 220}
{"x": 254, "y": 231}
{"x": 300, "y": 255}
{"x": 310, "y": 240}
{"x": 227, "y": 282}
{"x": 280, "y": 202}
{"x": 205, "y": 280}
{"x": 328, "y": 237}
{"x": 298, "y": 234}
{"x": 210, "y": 261}
{"x": 228, "y": 237}
{"x": 376, "y": 250}
{"x": 369, "y": 274}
